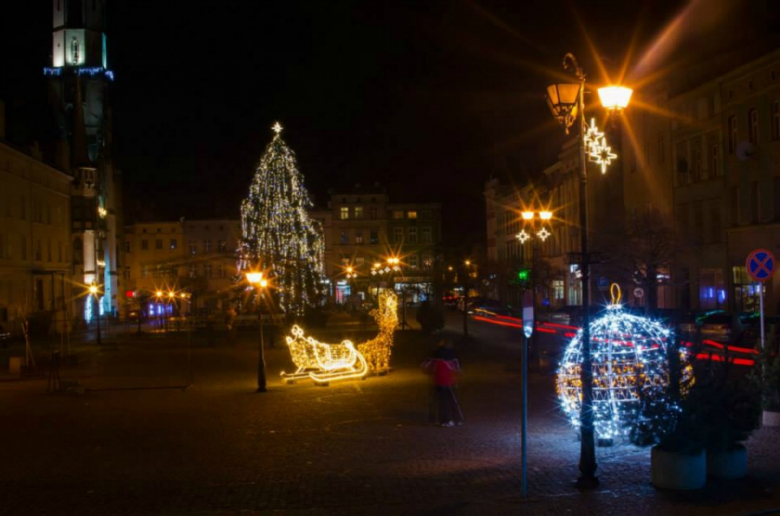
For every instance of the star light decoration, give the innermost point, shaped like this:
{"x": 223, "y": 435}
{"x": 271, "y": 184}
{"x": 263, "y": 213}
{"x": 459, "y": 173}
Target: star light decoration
{"x": 543, "y": 234}
{"x": 602, "y": 154}
{"x": 629, "y": 357}
{"x": 523, "y": 236}
{"x": 592, "y": 136}
{"x": 324, "y": 363}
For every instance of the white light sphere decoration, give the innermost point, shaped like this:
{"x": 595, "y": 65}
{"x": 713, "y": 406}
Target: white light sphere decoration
{"x": 628, "y": 356}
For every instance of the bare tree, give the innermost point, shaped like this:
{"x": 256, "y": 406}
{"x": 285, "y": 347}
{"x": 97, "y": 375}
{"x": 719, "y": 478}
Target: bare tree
{"x": 646, "y": 248}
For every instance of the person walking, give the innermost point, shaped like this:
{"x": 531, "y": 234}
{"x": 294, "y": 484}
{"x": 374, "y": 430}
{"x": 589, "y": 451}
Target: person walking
{"x": 443, "y": 368}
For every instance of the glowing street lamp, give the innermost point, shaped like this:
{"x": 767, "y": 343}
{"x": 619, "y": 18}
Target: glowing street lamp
{"x": 615, "y": 98}
{"x": 566, "y": 102}
{"x": 259, "y": 283}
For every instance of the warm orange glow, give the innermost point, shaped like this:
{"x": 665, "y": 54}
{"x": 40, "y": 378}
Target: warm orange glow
{"x": 527, "y": 215}
{"x": 545, "y": 215}
{"x": 171, "y": 294}
{"x": 254, "y": 278}
{"x": 93, "y": 289}
{"x": 159, "y": 293}
{"x": 615, "y": 98}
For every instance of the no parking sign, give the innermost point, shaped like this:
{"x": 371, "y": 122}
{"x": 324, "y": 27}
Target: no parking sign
{"x": 760, "y": 264}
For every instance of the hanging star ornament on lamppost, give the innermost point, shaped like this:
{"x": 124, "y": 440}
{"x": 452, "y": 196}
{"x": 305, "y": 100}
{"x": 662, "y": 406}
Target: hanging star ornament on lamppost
{"x": 602, "y": 154}
{"x": 592, "y": 135}
{"x": 523, "y": 236}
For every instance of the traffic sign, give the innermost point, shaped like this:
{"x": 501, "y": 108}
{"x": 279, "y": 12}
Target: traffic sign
{"x": 760, "y": 264}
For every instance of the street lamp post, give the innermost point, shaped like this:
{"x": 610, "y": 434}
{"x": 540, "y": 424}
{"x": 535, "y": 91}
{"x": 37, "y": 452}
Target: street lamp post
{"x": 466, "y": 275}
{"x": 95, "y": 292}
{"x": 257, "y": 280}
{"x": 567, "y": 103}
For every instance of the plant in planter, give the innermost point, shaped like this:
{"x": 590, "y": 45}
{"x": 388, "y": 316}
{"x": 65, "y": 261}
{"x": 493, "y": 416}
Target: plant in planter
{"x": 670, "y": 420}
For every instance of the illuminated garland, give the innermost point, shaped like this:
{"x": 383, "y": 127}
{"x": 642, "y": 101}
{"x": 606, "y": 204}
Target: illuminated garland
{"x": 324, "y": 363}
{"x": 377, "y": 351}
{"x": 277, "y": 233}
{"x": 628, "y": 355}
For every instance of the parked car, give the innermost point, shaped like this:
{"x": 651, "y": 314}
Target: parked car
{"x": 721, "y": 327}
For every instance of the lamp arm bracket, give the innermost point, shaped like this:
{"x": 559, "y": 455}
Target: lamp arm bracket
{"x": 570, "y": 63}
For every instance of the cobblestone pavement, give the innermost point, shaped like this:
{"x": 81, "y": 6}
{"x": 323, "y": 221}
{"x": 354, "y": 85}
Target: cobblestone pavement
{"x": 136, "y": 442}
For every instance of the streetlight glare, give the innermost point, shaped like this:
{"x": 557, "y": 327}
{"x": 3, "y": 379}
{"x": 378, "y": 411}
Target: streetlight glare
{"x": 545, "y": 215}
{"x": 527, "y": 215}
{"x": 615, "y": 98}
{"x": 254, "y": 277}
{"x": 263, "y": 283}
{"x": 159, "y": 293}
{"x": 93, "y": 289}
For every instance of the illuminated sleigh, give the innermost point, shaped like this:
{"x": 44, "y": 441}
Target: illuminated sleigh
{"x": 323, "y": 362}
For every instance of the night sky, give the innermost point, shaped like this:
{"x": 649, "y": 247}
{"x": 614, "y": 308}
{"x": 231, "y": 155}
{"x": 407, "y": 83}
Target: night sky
{"x": 428, "y": 98}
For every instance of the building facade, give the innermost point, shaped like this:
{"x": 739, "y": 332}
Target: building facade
{"x": 35, "y": 236}
{"x": 192, "y": 257}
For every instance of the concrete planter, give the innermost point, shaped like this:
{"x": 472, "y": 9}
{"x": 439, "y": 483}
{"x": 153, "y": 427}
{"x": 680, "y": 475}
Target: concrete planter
{"x": 727, "y": 464}
{"x": 770, "y": 418}
{"x": 677, "y": 471}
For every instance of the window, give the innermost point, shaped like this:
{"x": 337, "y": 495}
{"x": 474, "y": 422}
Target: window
{"x": 735, "y": 206}
{"x": 698, "y": 220}
{"x": 712, "y": 290}
{"x": 359, "y": 237}
{"x": 344, "y": 212}
{"x": 207, "y": 270}
{"x": 412, "y": 235}
{"x": 374, "y": 236}
{"x": 127, "y": 273}
{"x": 23, "y": 213}
{"x": 144, "y": 245}
{"x": 23, "y": 246}
{"x": 358, "y": 212}
{"x": 753, "y": 133}
{"x": 425, "y": 214}
{"x": 207, "y": 246}
{"x": 425, "y": 235}
{"x": 372, "y": 212}
{"x": 427, "y": 261}
{"x": 755, "y": 207}
{"x": 733, "y": 134}
{"x": 412, "y": 261}
{"x": 398, "y": 234}
{"x": 344, "y": 237}
{"x": 59, "y": 252}
{"x": 558, "y": 290}
{"x": 127, "y": 246}
{"x": 745, "y": 291}
{"x": 145, "y": 271}
{"x": 193, "y": 248}
{"x": 695, "y": 168}
{"x": 776, "y": 120}
{"x": 173, "y": 243}
{"x": 222, "y": 246}
{"x": 221, "y": 270}
{"x": 398, "y": 214}
{"x": 158, "y": 243}
{"x": 714, "y": 159}
{"x": 38, "y": 250}
{"x": 411, "y": 214}
{"x": 48, "y": 250}
{"x": 715, "y": 222}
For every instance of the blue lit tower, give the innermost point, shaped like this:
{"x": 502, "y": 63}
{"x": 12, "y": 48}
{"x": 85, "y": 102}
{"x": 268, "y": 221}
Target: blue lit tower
{"x": 79, "y": 81}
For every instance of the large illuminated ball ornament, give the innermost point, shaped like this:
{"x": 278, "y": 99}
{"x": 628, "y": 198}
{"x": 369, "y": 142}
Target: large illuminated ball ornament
{"x": 628, "y": 356}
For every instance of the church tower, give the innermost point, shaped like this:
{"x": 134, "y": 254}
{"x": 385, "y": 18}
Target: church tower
{"x": 79, "y": 87}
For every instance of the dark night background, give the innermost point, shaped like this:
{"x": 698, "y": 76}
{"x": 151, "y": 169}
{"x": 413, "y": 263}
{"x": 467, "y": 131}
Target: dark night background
{"x": 428, "y": 98}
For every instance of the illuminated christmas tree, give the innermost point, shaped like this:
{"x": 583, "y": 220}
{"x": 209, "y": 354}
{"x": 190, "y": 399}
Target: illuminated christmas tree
{"x": 278, "y": 236}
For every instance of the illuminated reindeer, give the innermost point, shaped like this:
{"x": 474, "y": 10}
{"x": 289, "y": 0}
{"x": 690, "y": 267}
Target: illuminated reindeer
{"x": 324, "y": 362}
{"x": 377, "y": 350}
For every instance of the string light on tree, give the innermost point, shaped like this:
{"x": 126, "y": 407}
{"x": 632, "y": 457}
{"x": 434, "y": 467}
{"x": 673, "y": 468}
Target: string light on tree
{"x": 628, "y": 358}
{"x": 278, "y": 235}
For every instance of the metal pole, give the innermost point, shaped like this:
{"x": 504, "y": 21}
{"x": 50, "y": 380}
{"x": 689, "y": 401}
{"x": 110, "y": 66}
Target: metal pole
{"x": 465, "y": 309}
{"x": 761, "y": 308}
{"x": 261, "y": 384}
{"x": 524, "y": 424}
{"x": 587, "y": 466}
{"x": 97, "y": 302}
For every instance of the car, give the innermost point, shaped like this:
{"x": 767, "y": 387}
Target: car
{"x": 133, "y": 316}
{"x": 723, "y": 327}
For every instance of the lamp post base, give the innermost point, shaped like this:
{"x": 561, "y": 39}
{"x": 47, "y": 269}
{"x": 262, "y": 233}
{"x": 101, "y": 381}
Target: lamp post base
{"x": 587, "y": 482}
{"x": 261, "y": 389}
